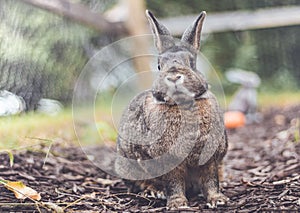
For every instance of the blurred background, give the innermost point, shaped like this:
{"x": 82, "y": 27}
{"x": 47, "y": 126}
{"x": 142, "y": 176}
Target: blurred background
{"x": 44, "y": 46}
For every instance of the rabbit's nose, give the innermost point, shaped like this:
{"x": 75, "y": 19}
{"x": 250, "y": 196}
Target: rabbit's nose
{"x": 175, "y": 79}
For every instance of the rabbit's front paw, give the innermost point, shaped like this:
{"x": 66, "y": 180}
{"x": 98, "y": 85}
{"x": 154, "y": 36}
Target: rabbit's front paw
{"x": 217, "y": 199}
{"x": 174, "y": 202}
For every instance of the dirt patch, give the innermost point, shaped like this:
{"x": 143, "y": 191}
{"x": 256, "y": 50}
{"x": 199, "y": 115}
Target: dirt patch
{"x": 262, "y": 173}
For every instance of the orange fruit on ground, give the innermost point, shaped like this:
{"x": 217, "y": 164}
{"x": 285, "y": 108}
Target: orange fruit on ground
{"x": 234, "y": 119}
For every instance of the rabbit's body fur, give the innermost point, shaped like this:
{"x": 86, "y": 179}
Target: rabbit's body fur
{"x": 178, "y": 125}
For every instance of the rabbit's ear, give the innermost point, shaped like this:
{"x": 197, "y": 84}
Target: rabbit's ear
{"x": 193, "y": 33}
{"x": 162, "y": 37}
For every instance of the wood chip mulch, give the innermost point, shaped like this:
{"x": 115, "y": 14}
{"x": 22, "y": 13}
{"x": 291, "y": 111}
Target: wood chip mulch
{"x": 262, "y": 173}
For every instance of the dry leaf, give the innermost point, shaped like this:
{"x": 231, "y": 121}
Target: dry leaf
{"x": 22, "y": 191}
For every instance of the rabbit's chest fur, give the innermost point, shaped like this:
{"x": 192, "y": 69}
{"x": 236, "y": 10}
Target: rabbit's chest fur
{"x": 156, "y": 129}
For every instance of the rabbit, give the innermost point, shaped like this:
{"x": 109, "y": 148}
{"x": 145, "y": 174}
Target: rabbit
{"x": 171, "y": 138}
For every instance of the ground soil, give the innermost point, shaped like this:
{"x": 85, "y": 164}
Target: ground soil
{"x": 262, "y": 173}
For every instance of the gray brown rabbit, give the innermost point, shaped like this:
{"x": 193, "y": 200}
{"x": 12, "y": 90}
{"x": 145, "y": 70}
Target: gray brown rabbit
{"x": 172, "y": 137}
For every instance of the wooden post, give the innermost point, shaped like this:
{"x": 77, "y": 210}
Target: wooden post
{"x": 136, "y": 25}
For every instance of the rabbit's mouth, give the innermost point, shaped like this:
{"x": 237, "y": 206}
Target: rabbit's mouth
{"x": 176, "y": 97}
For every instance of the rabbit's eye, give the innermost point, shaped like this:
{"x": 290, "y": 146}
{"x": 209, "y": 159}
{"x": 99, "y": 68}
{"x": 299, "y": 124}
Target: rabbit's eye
{"x": 159, "y": 63}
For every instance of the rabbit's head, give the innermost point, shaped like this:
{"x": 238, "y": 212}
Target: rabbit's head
{"x": 178, "y": 81}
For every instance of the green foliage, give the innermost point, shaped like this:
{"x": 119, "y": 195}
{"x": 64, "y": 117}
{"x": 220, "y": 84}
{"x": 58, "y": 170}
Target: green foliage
{"x": 106, "y": 131}
{"x": 297, "y": 131}
{"x": 268, "y": 98}
{"x": 37, "y": 35}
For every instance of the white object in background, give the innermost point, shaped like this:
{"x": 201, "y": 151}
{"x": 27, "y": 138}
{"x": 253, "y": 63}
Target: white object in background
{"x": 11, "y": 104}
{"x": 49, "y": 106}
{"x": 245, "y": 78}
